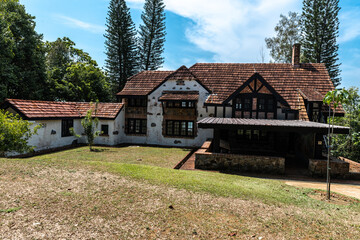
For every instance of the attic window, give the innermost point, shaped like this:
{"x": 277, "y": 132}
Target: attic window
{"x": 180, "y": 82}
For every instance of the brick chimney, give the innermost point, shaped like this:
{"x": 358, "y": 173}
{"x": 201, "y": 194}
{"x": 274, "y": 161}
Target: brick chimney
{"x": 296, "y": 55}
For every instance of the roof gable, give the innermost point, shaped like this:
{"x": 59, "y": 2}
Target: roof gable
{"x": 257, "y": 84}
{"x": 182, "y": 73}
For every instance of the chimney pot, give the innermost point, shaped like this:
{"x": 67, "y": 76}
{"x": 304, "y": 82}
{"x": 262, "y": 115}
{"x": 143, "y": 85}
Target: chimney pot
{"x": 296, "y": 55}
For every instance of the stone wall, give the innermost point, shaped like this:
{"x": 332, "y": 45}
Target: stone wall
{"x": 240, "y": 163}
{"x": 339, "y": 168}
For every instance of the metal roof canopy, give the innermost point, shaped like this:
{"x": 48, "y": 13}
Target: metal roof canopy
{"x": 269, "y": 124}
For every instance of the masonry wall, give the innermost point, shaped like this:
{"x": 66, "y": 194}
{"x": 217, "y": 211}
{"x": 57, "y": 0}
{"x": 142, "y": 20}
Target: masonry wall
{"x": 339, "y": 168}
{"x": 155, "y": 118}
{"x": 239, "y": 163}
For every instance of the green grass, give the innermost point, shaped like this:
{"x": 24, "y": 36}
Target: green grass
{"x": 161, "y": 157}
{"x": 155, "y": 168}
{"x": 10, "y": 210}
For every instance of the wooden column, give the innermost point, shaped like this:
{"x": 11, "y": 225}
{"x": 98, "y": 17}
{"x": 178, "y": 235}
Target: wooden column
{"x": 216, "y": 142}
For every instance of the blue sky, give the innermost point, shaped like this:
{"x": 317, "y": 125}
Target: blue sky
{"x": 197, "y": 30}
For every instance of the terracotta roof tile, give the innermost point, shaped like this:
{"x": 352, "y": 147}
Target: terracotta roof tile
{"x": 143, "y": 83}
{"x": 33, "y": 109}
{"x": 225, "y": 78}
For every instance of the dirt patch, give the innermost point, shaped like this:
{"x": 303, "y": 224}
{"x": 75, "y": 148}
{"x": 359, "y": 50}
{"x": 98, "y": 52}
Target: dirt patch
{"x": 351, "y": 190}
{"x": 59, "y": 203}
{"x": 334, "y": 198}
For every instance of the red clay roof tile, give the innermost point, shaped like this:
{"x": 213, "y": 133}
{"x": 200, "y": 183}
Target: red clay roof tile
{"x": 33, "y": 109}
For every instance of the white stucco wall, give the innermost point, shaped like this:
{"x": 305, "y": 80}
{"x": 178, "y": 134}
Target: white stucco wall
{"x": 45, "y": 140}
{"x": 155, "y": 116}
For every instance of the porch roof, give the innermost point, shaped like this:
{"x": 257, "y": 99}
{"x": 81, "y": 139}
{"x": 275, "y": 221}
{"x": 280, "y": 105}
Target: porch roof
{"x": 179, "y": 96}
{"x": 269, "y": 124}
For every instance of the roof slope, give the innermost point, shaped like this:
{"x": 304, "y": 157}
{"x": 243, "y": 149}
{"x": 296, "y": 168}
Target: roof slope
{"x": 32, "y": 109}
{"x": 143, "y": 83}
{"x": 225, "y": 78}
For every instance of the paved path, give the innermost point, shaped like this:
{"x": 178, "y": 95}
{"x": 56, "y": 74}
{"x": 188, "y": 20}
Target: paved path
{"x": 189, "y": 164}
{"x": 352, "y": 190}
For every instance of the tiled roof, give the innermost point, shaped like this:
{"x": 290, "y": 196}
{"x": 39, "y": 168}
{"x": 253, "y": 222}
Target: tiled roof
{"x": 311, "y": 80}
{"x": 183, "y": 73}
{"x": 223, "y": 79}
{"x": 32, "y": 109}
{"x": 210, "y": 122}
{"x": 143, "y": 83}
{"x": 311, "y": 95}
{"x": 179, "y": 95}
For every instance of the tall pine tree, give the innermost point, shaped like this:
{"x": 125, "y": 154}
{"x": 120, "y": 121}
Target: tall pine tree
{"x": 320, "y": 25}
{"x": 152, "y": 35}
{"x": 120, "y": 44}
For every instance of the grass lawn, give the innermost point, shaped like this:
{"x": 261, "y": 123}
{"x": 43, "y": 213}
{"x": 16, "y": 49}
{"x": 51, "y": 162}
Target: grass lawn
{"x": 111, "y": 194}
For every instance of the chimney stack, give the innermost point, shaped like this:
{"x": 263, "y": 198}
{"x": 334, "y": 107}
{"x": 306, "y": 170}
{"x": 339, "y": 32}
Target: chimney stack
{"x": 296, "y": 55}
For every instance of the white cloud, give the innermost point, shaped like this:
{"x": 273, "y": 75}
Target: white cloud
{"x": 349, "y": 25}
{"x": 234, "y": 30}
{"x": 75, "y": 23}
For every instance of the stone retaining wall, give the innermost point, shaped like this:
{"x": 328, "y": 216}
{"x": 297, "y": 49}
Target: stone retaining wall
{"x": 242, "y": 163}
{"x": 317, "y": 167}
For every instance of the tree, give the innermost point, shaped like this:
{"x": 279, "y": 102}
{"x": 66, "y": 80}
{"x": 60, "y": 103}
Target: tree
{"x": 73, "y": 75}
{"x": 152, "y": 35}
{"x": 90, "y": 124}
{"x": 349, "y": 145}
{"x": 120, "y": 44}
{"x": 22, "y": 67}
{"x": 320, "y": 25}
{"x": 334, "y": 98}
{"x": 288, "y": 32}
{"x": 14, "y": 133}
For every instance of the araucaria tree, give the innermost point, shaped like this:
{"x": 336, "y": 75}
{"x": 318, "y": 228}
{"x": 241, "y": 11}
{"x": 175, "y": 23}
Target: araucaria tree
{"x": 288, "y": 32}
{"x": 120, "y": 44}
{"x": 320, "y": 25}
{"x": 152, "y": 35}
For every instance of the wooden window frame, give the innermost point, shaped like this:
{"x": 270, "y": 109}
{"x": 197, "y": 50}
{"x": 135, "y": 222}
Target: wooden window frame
{"x": 137, "y": 102}
{"x": 132, "y": 124}
{"x": 104, "y": 127}
{"x": 188, "y": 104}
{"x": 66, "y": 124}
{"x": 181, "y": 131}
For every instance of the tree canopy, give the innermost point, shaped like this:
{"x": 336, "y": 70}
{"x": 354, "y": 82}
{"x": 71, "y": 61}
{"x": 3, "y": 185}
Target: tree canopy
{"x": 73, "y": 75}
{"x": 22, "y": 54}
{"x": 288, "y": 32}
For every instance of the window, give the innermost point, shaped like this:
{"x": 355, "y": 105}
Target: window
{"x": 243, "y": 103}
{"x": 66, "y": 124}
{"x": 180, "y": 104}
{"x": 179, "y": 128}
{"x": 252, "y": 135}
{"x": 137, "y": 102}
{"x": 104, "y": 129}
{"x": 137, "y": 126}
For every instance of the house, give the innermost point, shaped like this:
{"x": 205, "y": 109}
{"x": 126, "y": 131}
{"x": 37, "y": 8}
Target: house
{"x": 259, "y": 117}
{"x": 56, "y": 119}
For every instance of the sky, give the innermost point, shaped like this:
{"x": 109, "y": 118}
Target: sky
{"x": 197, "y": 30}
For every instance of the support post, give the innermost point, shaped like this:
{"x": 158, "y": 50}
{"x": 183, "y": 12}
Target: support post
{"x": 216, "y": 146}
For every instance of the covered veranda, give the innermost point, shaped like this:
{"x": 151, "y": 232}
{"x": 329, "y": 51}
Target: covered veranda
{"x": 295, "y": 141}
